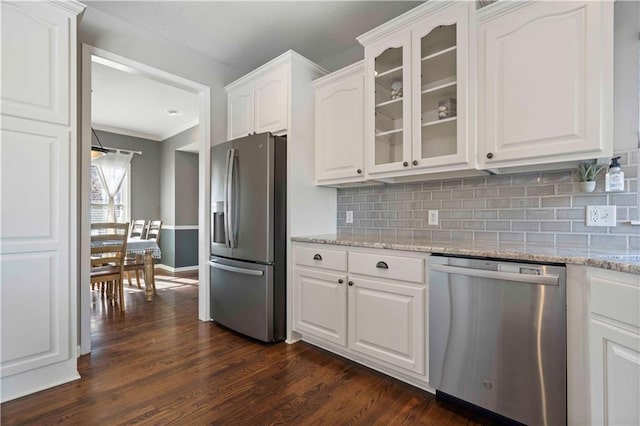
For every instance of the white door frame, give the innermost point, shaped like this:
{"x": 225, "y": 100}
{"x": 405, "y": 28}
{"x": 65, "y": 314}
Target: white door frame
{"x": 204, "y": 164}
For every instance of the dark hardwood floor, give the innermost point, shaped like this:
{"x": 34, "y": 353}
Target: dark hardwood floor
{"x": 157, "y": 364}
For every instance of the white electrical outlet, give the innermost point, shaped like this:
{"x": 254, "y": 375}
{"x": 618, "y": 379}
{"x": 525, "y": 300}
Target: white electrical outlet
{"x": 601, "y": 216}
{"x": 349, "y": 217}
{"x": 433, "y": 217}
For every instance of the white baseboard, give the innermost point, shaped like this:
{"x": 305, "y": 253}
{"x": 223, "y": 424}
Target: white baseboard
{"x": 182, "y": 269}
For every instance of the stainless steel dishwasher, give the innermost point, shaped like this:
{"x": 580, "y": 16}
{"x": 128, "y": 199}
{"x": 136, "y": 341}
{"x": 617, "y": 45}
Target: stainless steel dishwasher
{"x": 497, "y": 336}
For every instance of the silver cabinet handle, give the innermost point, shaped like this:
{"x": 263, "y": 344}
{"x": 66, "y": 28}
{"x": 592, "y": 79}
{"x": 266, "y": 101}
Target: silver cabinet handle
{"x": 382, "y": 265}
{"x": 236, "y": 269}
{"x": 497, "y": 275}
{"x": 317, "y": 257}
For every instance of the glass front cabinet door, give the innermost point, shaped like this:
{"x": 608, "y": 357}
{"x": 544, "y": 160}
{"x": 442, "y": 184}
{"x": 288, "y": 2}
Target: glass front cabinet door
{"x": 441, "y": 80}
{"x": 388, "y": 103}
{"x": 417, "y": 105}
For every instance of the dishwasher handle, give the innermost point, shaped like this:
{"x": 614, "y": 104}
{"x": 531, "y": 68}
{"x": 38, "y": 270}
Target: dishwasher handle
{"x": 498, "y": 275}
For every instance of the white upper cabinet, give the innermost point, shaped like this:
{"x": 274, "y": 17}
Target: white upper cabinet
{"x": 339, "y": 144}
{"x": 440, "y": 75}
{"x": 545, "y": 82}
{"x": 388, "y": 110}
{"x": 261, "y": 100}
{"x": 417, "y": 85}
{"x": 35, "y": 63}
{"x": 271, "y": 95}
{"x": 240, "y": 111}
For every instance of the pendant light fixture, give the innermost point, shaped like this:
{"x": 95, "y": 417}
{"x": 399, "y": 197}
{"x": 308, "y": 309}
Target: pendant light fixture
{"x": 97, "y": 151}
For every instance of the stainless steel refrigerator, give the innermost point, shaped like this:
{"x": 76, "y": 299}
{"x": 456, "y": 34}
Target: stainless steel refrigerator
{"x": 248, "y": 236}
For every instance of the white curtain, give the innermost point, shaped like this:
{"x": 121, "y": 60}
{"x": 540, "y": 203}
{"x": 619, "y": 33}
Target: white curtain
{"x": 112, "y": 168}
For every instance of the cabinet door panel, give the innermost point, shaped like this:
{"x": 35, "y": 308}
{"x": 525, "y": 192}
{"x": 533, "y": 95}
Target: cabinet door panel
{"x": 541, "y": 81}
{"x": 340, "y": 129}
{"x": 388, "y": 104}
{"x": 440, "y": 79}
{"x": 271, "y": 93}
{"x": 615, "y": 375}
{"x": 386, "y": 321}
{"x": 35, "y": 62}
{"x": 321, "y": 305}
{"x": 240, "y": 112}
{"x": 34, "y": 244}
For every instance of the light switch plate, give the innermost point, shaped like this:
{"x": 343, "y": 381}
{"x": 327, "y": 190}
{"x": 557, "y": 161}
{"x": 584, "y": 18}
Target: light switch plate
{"x": 601, "y": 216}
{"x": 349, "y": 217}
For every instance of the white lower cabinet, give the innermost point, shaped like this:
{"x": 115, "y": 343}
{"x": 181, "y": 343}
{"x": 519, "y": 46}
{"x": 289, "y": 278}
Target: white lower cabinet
{"x": 371, "y": 309}
{"x": 386, "y": 321}
{"x": 321, "y": 304}
{"x": 614, "y": 347}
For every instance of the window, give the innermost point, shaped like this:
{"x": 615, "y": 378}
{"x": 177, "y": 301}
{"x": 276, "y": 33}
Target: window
{"x": 100, "y": 199}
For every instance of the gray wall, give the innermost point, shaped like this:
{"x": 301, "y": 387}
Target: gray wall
{"x": 186, "y": 191}
{"x": 145, "y": 173}
{"x": 179, "y": 180}
{"x": 179, "y": 200}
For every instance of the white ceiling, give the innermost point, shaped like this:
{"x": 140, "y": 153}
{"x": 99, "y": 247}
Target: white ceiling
{"x": 247, "y": 34}
{"x": 242, "y": 34}
{"x": 137, "y": 106}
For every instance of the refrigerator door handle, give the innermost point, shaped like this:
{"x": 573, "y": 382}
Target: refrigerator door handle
{"x": 230, "y": 222}
{"x": 236, "y": 269}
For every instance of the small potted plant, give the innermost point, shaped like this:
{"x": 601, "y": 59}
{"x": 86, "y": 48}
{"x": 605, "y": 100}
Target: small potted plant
{"x": 587, "y": 173}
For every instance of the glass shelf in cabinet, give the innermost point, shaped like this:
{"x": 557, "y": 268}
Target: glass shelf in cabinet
{"x": 436, "y": 122}
{"x": 391, "y": 109}
{"x": 386, "y": 79}
{"x": 439, "y": 68}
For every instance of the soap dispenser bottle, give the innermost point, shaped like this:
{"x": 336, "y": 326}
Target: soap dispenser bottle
{"x": 614, "y": 179}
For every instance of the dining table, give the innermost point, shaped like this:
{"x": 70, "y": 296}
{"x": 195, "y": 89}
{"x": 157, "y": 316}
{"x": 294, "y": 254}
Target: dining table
{"x": 150, "y": 250}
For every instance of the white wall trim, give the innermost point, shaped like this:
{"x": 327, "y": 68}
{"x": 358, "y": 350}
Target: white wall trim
{"x": 204, "y": 136}
{"x": 181, "y": 269}
{"x": 180, "y": 227}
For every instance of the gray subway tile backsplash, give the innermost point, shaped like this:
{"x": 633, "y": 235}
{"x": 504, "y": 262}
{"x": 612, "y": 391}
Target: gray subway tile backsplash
{"x": 538, "y": 208}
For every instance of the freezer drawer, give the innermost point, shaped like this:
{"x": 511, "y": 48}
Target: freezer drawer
{"x": 242, "y": 297}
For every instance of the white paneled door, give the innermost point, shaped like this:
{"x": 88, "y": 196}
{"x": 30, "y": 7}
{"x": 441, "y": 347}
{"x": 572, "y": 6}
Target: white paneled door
{"x": 38, "y": 255}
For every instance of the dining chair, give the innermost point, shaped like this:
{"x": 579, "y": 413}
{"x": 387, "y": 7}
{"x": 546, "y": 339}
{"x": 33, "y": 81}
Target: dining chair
{"x": 108, "y": 248}
{"x": 153, "y": 230}
{"x": 138, "y": 229}
{"x": 135, "y": 264}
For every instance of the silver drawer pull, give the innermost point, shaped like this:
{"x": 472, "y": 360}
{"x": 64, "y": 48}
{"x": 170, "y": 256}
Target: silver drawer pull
{"x": 317, "y": 257}
{"x": 382, "y": 265}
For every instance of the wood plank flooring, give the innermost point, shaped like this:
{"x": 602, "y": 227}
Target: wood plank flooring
{"x": 157, "y": 364}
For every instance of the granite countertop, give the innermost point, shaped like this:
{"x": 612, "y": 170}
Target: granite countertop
{"x": 623, "y": 261}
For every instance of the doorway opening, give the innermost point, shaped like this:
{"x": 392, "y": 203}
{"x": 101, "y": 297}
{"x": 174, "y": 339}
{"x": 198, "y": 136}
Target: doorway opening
{"x": 202, "y": 134}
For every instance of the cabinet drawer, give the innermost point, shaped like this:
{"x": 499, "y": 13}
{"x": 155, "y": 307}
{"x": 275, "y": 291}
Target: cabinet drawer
{"x": 397, "y": 267}
{"x": 616, "y": 299}
{"x": 321, "y": 258}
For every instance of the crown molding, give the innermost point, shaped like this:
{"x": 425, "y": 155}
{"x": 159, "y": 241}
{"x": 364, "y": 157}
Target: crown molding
{"x": 356, "y": 68}
{"x": 405, "y": 20}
